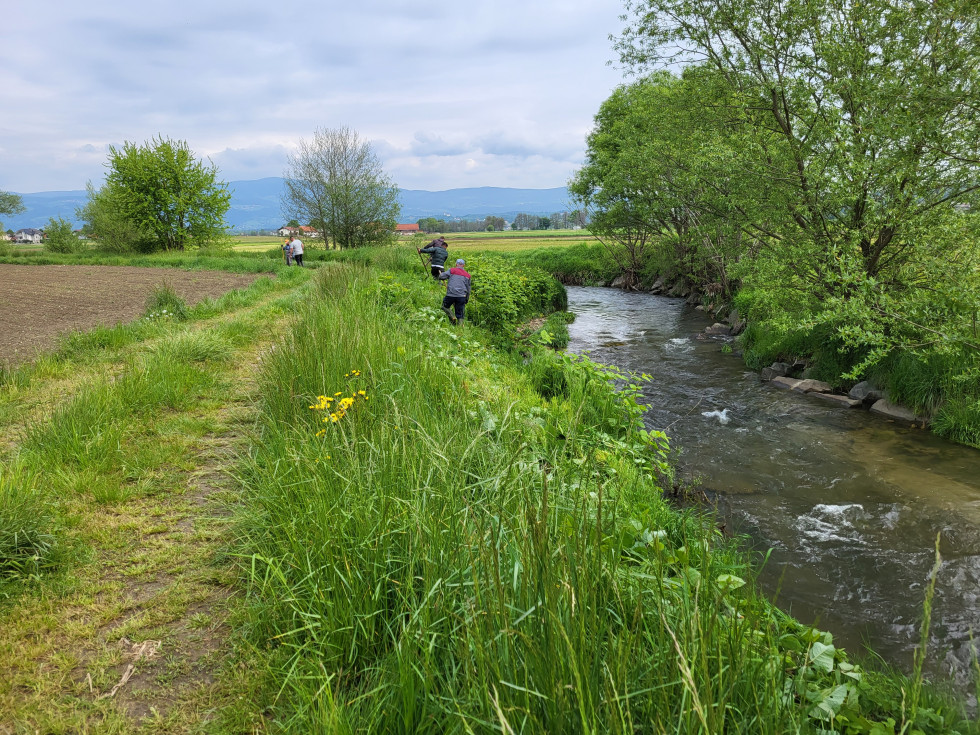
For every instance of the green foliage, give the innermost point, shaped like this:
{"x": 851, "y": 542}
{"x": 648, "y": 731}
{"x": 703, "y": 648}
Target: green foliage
{"x": 505, "y": 294}
{"x": 61, "y": 237}
{"x": 10, "y": 203}
{"x": 157, "y": 197}
{"x": 165, "y": 303}
{"x": 583, "y": 264}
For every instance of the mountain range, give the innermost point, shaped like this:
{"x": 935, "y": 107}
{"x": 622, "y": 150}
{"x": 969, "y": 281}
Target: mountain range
{"x": 255, "y": 204}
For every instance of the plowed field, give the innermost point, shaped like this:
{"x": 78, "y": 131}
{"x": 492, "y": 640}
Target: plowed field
{"x": 39, "y": 303}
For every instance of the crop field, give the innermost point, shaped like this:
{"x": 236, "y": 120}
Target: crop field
{"x": 506, "y": 242}
{"x": 38, "y": 304}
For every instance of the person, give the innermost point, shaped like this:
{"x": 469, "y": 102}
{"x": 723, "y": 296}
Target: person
{"x": 286, "y": 250}
{"x": 296, "y": 250}
{"x": 438, "y": 254}
{"x": 457, "y": 291}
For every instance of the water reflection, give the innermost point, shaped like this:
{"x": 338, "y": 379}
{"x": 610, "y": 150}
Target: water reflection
{"x": 849, "y": 503}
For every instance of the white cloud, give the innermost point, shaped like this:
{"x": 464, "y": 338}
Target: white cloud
{"x": 484, "y": 93}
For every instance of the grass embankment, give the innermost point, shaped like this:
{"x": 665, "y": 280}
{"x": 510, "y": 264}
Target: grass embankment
{"x": 224, "y": 259}
{"x": 113, "y": 480}
{"x": 442, "y": 535}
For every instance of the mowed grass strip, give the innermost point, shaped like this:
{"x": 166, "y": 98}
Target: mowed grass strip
{"x": 123, "y": 478}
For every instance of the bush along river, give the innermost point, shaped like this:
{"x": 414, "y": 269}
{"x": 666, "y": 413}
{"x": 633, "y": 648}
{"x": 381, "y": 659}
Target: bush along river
{"x": 849, "y": 503}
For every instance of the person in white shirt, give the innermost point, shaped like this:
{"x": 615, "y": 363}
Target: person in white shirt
{"x": 296, "y": 250}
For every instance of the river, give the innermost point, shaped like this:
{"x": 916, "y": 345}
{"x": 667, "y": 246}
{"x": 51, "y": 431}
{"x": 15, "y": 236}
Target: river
{"x": 849, "y": 503}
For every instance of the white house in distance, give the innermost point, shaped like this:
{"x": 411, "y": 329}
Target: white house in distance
{"x": 407, "y": 229}
{"x": 301, "y": 231}
{"x": 28, "y": 235}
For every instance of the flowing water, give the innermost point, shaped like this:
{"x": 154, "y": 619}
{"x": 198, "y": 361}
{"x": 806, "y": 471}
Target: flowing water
{"x": 849, "y": 503}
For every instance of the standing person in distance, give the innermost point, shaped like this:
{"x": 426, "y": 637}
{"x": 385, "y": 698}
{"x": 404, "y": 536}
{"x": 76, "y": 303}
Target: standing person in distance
{"x": 457, "y": 291}
{"x": 286, "y": 250}
{"x": 296, "y": 250}
{"x": 438, "y": 254}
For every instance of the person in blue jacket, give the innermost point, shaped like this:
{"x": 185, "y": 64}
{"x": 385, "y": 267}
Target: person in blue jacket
{"x": 457, "y": 291}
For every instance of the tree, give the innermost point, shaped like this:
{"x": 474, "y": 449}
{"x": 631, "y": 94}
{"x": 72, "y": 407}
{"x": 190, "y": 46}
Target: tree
{"x": 162, "y": 190}
{"x": 337, "y": 184}
{"x": 10, "y": 203}
{"x": 864, "y": 112}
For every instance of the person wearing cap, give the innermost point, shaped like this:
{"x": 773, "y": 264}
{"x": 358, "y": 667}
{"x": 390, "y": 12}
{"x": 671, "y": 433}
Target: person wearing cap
{"x": 438, "y": 255}
{"x": 457, "y": 291}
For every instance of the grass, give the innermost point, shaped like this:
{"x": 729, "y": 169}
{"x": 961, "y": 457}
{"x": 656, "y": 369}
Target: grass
{"x": 111, "y": 521}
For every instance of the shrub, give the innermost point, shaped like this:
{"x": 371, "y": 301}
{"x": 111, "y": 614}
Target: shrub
{"x": 504, "y": 293}
{"x": 61, "y": 238}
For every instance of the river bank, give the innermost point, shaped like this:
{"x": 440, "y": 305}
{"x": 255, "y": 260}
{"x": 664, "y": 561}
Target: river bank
{"x": 479, "y": 537}
{"x": 850, "y": 505}
{"x": 927, "y": 390}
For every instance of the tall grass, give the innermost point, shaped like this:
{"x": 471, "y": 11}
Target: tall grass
{"x": 455, "y": 555}
{"x": 28, "y": 534}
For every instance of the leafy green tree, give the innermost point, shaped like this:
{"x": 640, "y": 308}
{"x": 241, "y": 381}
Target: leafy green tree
{"x": 10, "y": 203}
{"x": 158, "y": 196}
{"x": 864, "y": 113}
{"x": 60, "y": 237}
{"x": 337, "y": 184}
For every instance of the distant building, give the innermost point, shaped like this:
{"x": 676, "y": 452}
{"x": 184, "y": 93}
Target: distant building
{"x": 28, "y": 235}
{"x": 301, "y": 231}
{"x": 407, "y": 229}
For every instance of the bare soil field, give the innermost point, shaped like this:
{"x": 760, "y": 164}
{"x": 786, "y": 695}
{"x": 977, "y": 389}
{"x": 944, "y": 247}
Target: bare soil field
{"x": 39, "y": 303}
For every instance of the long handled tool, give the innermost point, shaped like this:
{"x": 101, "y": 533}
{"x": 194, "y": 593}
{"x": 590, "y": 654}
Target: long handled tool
{"x": 422, "y": 258}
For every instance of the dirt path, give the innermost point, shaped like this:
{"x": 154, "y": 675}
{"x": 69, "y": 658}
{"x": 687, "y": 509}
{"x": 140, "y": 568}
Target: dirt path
{"x": 134, "y": 636}
{"x": 39, "y": 303}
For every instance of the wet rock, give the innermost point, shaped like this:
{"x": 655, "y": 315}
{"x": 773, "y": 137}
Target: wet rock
{"x": 893, "y": 411}
{"x": 658, "y": 285}
{"x": 680, "y": 289}
{"x": 776, "y": 370}
{"x": 842, "y": 401}
{"x": 809, "y": 385}
{"x": 699, "y": 307}
{"x": 865, "y": 392}
{"x": 618, "y": 282}
{"x": 718, "y": 329}
{"x": 783, "y": 382}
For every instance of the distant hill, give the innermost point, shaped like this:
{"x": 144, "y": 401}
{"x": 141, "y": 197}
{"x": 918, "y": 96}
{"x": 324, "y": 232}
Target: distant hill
{"x": 255, "y": 204}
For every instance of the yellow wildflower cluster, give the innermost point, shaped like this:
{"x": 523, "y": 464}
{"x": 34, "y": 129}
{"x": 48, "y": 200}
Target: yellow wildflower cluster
{"x": 338, "y": 404}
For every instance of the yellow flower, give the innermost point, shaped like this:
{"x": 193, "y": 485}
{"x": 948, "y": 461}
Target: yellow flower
{"x": 361, "y": 393}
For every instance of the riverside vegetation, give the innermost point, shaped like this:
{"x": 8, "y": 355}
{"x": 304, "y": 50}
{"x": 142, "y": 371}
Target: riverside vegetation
{"x": 480, "y": 543}
{"x": 469, "y": 537}
{"x": 816, "y": 165}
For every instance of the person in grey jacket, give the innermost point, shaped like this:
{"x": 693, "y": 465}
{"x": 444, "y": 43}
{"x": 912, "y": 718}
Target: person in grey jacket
{"x": 438, "y": 254}
{"x": 457, "y": 291}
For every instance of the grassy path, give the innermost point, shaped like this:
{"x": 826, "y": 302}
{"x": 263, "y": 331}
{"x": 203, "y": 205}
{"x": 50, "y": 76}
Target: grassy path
{"x": 131, "y": 633}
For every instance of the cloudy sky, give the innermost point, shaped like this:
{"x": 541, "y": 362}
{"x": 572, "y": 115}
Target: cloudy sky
{"x": 451, "y": 94}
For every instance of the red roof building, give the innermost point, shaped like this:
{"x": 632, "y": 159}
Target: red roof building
{"x": 406, "y": 229}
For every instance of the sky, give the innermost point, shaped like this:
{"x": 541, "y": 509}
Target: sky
{"x": 451, "y": 94}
